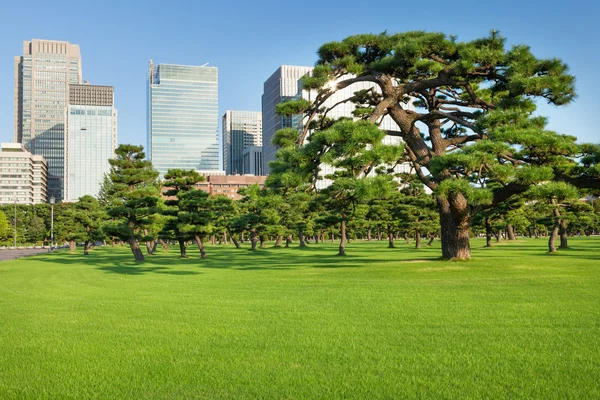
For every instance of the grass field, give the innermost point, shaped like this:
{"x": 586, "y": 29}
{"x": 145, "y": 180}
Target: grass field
{"x": 291, "y": 323}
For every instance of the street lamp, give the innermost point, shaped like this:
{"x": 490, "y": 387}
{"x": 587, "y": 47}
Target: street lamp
{"x": 52, "y": 223}
{"x": 15, "y": 235}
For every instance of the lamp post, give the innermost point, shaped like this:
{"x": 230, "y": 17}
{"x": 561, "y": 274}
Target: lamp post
{"x": 15, "y": 235}
{"x": 52, "y": 223}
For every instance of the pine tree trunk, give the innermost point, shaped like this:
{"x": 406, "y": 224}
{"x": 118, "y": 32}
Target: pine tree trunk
{"x": 72, "y": 245}
{"x": 343, "y": 238}
{"x": 288, "y": 240}
{"x": 390, "y": 238}
{"x": 135, "y": 249}
{"x": 182, "y": 249}
{"x": 253, "y": 239}
{"x": 455, "y": 222}
{"x": 417, "y": 239}
{"x": 510, "y": 232}
{"x": 431, "y": 239}
{"x": 488, "y": 232}
{"x": 406, "y": 238}
{"x": 279, "y": 241}
{"x": 164, "y": 245}
{"x": 225, "y": 241}
{"x": 552, "y": 238}
{"x": 262, "y": 241}
{"x": 379, "y": 235}
{"x": 564, "y": 242}
{"x": 369, "y": 234}
{"x": 301, "y": 238}
{"x": 200, "y": 245}
{"x": 86, "y": 248}
{"x": 233, "y": 239}
{"x": 499, "y": 235}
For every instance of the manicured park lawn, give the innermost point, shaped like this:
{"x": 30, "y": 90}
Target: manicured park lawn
{"x": 290, "y": 323}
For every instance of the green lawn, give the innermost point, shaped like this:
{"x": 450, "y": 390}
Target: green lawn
{"x": 289, "y": 323}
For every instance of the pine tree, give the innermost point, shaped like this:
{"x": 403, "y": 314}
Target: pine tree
{"x": 473, "y": 138}
{"x": 134, "y": 195}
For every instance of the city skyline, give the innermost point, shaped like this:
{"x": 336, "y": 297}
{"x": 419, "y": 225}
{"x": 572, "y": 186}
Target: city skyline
{"x": 243, "y": 69}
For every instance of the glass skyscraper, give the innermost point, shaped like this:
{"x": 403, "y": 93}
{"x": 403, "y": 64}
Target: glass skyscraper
{"x": 183, "y": 118}
{"x": 241, "y": 129}
{"x": 91, "y": 139}
{"x": 42, "y": 78}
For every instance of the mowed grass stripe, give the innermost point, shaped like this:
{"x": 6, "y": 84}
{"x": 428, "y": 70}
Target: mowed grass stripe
{"x": 304, "y": 323}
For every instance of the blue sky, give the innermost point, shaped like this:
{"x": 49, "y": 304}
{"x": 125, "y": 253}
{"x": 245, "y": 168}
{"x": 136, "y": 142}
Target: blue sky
{"x": 248, "y": 40}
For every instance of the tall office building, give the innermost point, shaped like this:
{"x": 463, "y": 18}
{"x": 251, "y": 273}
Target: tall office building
{"x": 183, "y": 118}
{"x": 283, "y": 85}
{"x": 91, "y": 139}
{"x": 42, "y": 78}
{"x": 241, "y": 129}
{"x": 253, "y": 162}
{"x": 23, "y": 176}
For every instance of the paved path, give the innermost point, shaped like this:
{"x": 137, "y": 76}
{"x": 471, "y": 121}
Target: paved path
{"x": 6, "y": 254}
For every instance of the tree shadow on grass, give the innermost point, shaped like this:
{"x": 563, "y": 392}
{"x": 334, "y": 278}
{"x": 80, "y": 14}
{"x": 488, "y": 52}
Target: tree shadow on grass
{"x": 124, "y": 270}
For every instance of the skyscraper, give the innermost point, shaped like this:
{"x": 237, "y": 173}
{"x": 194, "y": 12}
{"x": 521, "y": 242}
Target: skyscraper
{"x": 42, "y": 78}
{"x": 91, "y": 138}
{"x": 183, "y": 118}
{"x": 241, "y": 129}
{"x": 283, "y": 85}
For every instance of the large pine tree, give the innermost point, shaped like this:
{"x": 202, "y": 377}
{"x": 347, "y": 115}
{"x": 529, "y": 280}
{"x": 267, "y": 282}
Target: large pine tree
{"x": 470, "y": 133}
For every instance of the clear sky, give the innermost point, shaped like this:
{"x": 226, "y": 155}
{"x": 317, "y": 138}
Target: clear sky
{"x": 248, "y": 40}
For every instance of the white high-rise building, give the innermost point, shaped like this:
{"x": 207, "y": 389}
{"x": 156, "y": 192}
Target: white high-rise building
{"x": 23, "y": 176}
{"x": 283, "y": 81}
{"x": 91, "y": 139}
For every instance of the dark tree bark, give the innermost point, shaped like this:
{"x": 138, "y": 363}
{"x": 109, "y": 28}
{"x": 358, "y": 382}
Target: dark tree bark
{"x": 417, "y": 239}
{"x": 455, "y": 222}
{"x": 510, "y": 232}
{"x": 135, "y": 249}
{"x": 317, "y": 238}
{"x": 86, "y": 248}
{"x": 182, "y": 248}
{"x": 343, "y": 238}
{"x": 431, "y": 239}
{"x": 233, "y": 239}
{"x": 200, "y": 245}
{"x": 262, "y": 241}
{"x": 390, "y": 238}
{"x": 253, "y": 239}
{"x": 301, "y": 238}
{"x": 488, "y": 232}
{"x": 288, "y": 241}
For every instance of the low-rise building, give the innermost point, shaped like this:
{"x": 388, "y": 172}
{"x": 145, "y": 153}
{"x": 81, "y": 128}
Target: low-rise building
{"x": 23, "y": 176}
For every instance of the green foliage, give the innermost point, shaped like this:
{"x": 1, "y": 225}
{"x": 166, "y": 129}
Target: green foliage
{"x": 5, "y": 227}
